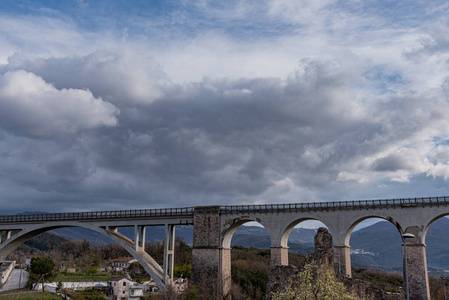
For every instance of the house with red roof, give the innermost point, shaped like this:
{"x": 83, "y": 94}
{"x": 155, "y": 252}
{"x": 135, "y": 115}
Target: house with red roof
{"x": 122, "y": 263}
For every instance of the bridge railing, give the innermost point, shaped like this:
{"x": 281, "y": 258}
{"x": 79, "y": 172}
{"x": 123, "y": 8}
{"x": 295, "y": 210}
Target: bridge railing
{"x": 337, "y": 205}
{"x": 162, "y": 212}
{"x": 189, "y": 211}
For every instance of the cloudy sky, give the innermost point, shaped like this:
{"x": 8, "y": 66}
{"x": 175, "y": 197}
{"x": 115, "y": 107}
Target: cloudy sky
{"x": 140, "y": 104}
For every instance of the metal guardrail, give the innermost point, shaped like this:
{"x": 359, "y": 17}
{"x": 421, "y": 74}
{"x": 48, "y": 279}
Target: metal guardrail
{"x": 162, "y": 212}
{"x": 337, "y": 205}
{"x": 264, "y": 208}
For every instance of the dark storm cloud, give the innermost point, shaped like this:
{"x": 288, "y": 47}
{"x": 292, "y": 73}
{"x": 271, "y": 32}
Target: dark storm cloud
{"x": 156, "y": 143}
{"x": 390, "y": 163}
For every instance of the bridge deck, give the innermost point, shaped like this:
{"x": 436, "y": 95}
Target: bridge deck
{"x": 232, "y": 209}
{"x": 336, "y": 205}
{"x": 116, "y": 214}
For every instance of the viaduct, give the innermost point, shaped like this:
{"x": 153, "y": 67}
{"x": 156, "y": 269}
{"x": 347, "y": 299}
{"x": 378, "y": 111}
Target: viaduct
{"x": 214, "y": 227}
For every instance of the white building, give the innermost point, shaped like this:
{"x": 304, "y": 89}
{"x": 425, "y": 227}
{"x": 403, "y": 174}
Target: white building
{"x": 136, "y": 291}
{"x": 120, "y": 288}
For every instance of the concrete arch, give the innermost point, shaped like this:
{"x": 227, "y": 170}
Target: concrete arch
{"x": 426, "y": 229}
{"x": 229, "y": 232}
{"x": 289, "y": 228}
{"x": 359, "y": 220}
{"x": 147, "y": 262}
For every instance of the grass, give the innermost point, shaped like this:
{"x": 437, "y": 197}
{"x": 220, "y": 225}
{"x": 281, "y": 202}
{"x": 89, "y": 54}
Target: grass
{"x": 386, "y": 281}
{"x": 87, "y": 294}
{"x": 28, "y": 295}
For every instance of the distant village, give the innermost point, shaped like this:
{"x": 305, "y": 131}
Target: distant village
{"x": 362, "y": 252}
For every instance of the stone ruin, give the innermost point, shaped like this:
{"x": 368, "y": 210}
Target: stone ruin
{"x": 324, "y": 258}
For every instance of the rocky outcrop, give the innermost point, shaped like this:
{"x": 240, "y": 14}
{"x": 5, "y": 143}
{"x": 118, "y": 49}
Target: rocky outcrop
{"x": 367, "y": 291}
{"x": 324, "y": 258}
{"x": 324, "y": 253}
{"x": 279, "y": 278}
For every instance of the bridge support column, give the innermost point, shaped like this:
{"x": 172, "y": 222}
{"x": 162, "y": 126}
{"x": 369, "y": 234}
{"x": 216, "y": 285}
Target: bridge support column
{"x": 139, "y": 237}
{"x": 279, "y": 256}
{"x": 225, "y": 273}
{"x": 342, "y": 260}
{"x": 143, "y": 231}
{"x": 169, "y": 253}
{"x": 418, "y": 279}
{"x": 7, "y": 235}
{"x": 211, "y": 264}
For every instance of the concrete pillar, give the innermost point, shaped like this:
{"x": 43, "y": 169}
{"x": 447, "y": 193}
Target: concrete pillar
{"x": 225, "y": 271}
{"x": 211, "y": 264}
{"x": 342, "y": 260}
{"x": 136, "y": 237}
{"x": 418, "y": 279}
{"x": 5, "y": 235}
{"x": 139, "y": 237}
{"x": 279, "y": 256}
{"x": 143, "y": 231}
{"x": 169, "y": 253}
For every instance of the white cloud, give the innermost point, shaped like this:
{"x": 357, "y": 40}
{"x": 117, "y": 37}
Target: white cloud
{"x": 119, "y": 75}
{"x": 30, "y": 106}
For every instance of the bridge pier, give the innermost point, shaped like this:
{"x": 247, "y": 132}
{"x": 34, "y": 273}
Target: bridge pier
{"x": 342, "y": 260}
{"x": 225, "y": 273}
{"x": 211, "y": 264}
{"x": 418, "y": 279}
{"x": 169, "y": 253}
{"x": 139, "y": 237}
{"x": 279, "y": 256}
{"x": 7, "y": 235}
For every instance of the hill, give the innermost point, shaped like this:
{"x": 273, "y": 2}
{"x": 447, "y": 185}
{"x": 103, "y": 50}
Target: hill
{"x": 153, "y": 233}
{"x": 383, "y": 242}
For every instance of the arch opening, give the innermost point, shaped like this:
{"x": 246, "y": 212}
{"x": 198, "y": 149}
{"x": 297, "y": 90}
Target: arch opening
{"x": 300, "y": 236}
{"x": 368, "y": 221}
{"x": 376, "y": 252}
{"x": 247, "y": 244}
{"x": 436, "y": 239}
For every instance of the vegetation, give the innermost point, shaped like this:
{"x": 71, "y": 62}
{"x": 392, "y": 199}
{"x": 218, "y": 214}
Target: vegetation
{"x": 87, "y": 295}
{"x": 436, "y": 288}
{"x": 249, "y": 269}
{"x": 41, "y": 268}
{"x": 45, "y": 242}
{"x": 389, "y": 282}
{"x": 182, "y": 271}
{"x": 28, "y": 295}
{"x": 321, "y": 287}
{"x": 393, "y": 282}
